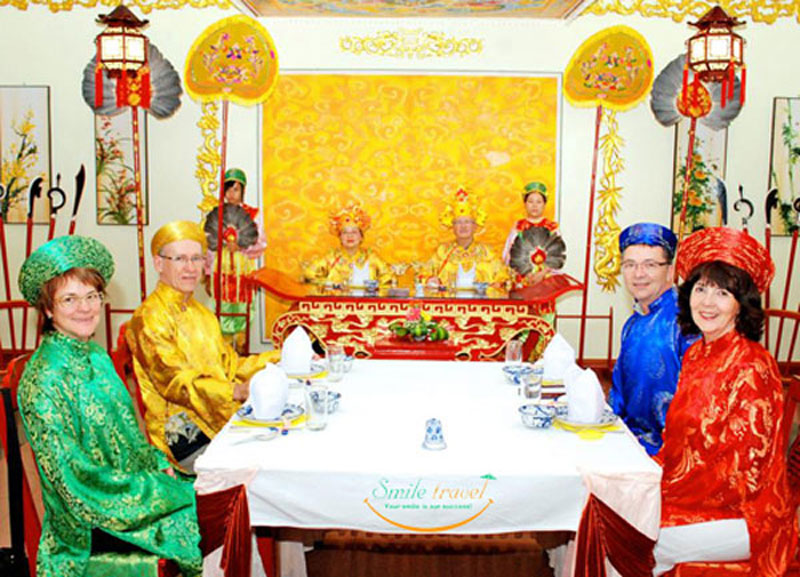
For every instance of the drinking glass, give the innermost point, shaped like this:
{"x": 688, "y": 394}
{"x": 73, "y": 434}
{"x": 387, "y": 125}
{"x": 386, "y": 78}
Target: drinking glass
{"x": 514, "y": 352}
{"x": 336, "y": 368}
{"x": 316, "y": 405}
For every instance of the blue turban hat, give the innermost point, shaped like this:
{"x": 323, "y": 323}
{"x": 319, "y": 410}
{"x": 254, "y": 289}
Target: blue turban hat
{"x": 650, "y": 234}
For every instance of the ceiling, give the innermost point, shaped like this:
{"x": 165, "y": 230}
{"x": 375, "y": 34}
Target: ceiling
{"x": 416, "y": 8}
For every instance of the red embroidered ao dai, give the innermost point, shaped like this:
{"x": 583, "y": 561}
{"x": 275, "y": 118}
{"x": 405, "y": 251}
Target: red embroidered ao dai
{"x": 724, "y": 456}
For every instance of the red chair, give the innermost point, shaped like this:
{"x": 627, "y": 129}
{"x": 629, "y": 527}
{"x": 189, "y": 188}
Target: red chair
{"x": 19, "y": 334}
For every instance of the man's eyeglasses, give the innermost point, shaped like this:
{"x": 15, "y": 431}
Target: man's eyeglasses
{"x": 648, "y": 266}
{"x": 71, "y": 302}
{"x": 184, "y": 260}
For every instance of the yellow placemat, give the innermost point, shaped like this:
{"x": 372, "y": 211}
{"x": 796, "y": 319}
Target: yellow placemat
{"x": 279, "y": 423}
{"x": 587, "y": 432}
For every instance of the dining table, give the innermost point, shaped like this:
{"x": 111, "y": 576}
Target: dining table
{"x": 368, "y": 469}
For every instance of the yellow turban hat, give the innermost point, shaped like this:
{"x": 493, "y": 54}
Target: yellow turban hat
{"x": 463, "y": 204}
{"x": 174, "y": 231}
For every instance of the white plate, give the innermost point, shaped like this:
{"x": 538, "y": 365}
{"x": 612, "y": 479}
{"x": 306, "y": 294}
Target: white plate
{"x": 290, "y": 412}
{"x": 317, "y": 370}
{"x": 608, "y": 418}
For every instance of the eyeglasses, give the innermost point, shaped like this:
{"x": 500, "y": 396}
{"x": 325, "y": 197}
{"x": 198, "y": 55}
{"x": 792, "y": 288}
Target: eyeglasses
{"x": 71, "y": 302}
{"x": 184, "y": 260}
{"x": 648, "y": 266}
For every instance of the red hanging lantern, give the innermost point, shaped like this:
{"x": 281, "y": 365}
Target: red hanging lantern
{"x": 715, "y": 52}
{"x": 122, "y": 54}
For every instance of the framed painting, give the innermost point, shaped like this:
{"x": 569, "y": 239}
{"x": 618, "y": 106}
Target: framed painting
{"x": 24, "y": 150}
{"x": 113, "y": 153}
{"x": 784, "y": 164}
{"x": 708, "y": 203}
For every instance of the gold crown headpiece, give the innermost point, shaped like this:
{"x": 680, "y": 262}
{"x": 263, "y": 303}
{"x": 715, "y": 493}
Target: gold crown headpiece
{"x": 350, "y": 215}
{"x": 463, "y": 204}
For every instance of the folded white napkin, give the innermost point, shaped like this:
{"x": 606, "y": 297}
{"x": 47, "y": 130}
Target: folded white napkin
{"x": 558, "y": 357}
{"x": 585, "y": 399}
{"x": 296, "y": 353}
{"x": 269, "y": 389}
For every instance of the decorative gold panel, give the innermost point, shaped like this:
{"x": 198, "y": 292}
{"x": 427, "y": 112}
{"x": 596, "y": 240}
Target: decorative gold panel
{"x": 411, "y": 44}
{"x": 758, "y": 10}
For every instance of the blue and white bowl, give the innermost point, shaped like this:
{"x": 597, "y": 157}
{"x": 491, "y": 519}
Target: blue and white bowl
{"x": 537, "y": 415}
{"x": 517, "y": 374}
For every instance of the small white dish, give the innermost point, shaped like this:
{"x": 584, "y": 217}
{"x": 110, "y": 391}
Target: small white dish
{"x": 290, "y": 412}
{"x": 607, "y": 419}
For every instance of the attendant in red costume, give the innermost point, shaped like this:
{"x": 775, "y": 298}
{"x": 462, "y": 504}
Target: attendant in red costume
{"x": 724, "y": 491}
{"x": 535, "y": 198}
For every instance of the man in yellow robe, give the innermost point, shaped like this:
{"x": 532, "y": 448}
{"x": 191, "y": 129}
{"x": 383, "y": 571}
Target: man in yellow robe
{"x": 350, "y": 264}
{"x": 191, "y": 380}
{"x": 463, "y": 262}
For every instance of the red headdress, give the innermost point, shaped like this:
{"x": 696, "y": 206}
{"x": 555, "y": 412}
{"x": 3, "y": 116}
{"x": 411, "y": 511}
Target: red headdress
{"x": 730, "y": 246}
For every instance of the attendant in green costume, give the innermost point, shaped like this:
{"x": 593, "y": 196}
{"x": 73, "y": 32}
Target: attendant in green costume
{"x": 100, "y": 477}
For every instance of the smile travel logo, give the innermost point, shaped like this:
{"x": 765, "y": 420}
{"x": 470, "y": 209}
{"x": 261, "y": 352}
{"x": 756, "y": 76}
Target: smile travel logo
{"x": 417, "y": 504}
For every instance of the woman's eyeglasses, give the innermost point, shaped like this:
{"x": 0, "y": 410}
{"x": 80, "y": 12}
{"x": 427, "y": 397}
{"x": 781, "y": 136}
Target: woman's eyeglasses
{"x": 71, "y": 302}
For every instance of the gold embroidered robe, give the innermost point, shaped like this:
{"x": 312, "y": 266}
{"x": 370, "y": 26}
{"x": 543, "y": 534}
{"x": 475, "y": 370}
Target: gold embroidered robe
{"x": 182, "y": 363}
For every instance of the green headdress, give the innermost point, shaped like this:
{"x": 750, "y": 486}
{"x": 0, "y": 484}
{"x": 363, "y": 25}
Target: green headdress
{"x": 56, "y": 257}
{"x": 535, "y": 187}
{"x": 237, "y": 175}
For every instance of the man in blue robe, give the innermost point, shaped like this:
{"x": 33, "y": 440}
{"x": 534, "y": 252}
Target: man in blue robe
{"x": 646, "y": 371}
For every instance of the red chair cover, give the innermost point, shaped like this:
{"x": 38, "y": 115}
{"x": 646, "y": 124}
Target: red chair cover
{"x": 224, "y": 521}
{"x": 603, "y": 533}
{"x": 32, "y": 523}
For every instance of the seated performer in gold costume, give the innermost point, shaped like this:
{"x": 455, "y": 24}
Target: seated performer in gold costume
{"x": 463, "y": 262}
{"x": 191, "y": 379}
{"x": 349, "y": 264}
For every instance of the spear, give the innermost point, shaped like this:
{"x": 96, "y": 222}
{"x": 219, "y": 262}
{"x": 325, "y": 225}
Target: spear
{"x": 740, "y": 205}
{"x": 34, "y": 192}
{"x": 770, "y": 203}
{"x": 80, "y": 179}
{"x": 6, "y": 272}
{"x": 55, "y": 206}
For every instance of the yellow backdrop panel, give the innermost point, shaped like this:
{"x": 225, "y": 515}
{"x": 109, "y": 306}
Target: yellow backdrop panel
{"x": 401, "y": 145}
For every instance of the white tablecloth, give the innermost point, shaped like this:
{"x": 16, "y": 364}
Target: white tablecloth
{"x": 367, "y": 470}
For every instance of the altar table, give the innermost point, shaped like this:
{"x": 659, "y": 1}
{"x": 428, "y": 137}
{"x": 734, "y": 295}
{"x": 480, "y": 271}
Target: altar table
{"x": 479, "y": 326}
{"x": 368, "y": 470}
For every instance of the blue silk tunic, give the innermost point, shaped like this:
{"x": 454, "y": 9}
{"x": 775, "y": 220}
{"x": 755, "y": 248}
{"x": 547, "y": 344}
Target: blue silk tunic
{"x": 646, "y": 372}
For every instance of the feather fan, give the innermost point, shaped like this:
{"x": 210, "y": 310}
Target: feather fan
{"x": 165, "y": 85}
{"x": 537, "y": 247}
{"x": 666, "y": 91}
{"x": 235, "y": 217}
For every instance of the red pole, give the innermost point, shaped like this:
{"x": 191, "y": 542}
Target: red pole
{"x": 137, "y": 179}
{"x": 6, "y": 272}
{"x": 223, "y": 147}
{"x": 786, "y": 287}
{"x": 597, "y": 121}
{"x": 34, "y": 192}
{"x": 686, "y": 180}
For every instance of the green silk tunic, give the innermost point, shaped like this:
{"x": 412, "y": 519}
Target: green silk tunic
{"x": 97, "y": 468}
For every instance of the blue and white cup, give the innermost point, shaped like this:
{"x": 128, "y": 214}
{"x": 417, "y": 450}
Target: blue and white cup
{"x": 434, "y": 438}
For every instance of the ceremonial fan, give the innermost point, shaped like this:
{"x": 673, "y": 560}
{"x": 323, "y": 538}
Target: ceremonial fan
{"x": 536, "y": 248}
{"x": 236, "y": 225}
